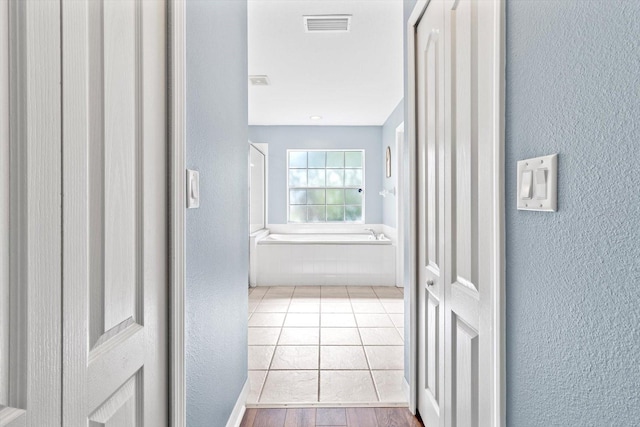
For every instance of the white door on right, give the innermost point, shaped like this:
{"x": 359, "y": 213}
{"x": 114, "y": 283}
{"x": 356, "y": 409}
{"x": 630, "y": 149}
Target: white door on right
{"x": 458, "y": 334}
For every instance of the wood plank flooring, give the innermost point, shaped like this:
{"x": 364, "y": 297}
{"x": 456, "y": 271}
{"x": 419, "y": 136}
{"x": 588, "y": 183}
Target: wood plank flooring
{"x": 344, "y": 417}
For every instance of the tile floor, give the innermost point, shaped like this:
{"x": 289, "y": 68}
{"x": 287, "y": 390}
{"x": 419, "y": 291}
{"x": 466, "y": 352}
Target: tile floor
{"x": 326, "y": 345}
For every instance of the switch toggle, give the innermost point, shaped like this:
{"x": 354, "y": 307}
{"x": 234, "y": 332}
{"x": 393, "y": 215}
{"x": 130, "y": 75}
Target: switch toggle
{"x": 193, "y": 189}
{"x": 541, "y": 184}
{"x": 526, "y": 185}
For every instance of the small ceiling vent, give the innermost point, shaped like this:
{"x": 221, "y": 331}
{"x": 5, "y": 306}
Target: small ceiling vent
{"x": 259, "y": 80}
{"x": 327, "y": 23}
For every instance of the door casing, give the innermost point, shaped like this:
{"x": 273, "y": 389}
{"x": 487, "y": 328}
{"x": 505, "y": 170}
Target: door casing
{"x": 498, "y": 269}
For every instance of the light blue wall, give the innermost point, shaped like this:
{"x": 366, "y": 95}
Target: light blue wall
{"x": 573, "y": 277}
{"x": 389, "y": 139}
{"x": 281, "y": 138}
{"x": 216, "y": 241}
{"x": 408, "y": 6}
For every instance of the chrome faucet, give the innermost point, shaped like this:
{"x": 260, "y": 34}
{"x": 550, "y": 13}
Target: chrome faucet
{"x": 373, "y": 233}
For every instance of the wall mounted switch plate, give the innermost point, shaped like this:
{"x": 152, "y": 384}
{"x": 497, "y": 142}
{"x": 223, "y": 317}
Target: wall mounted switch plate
{"x": 193, "y": 189}
{"x": 538, "y": 184}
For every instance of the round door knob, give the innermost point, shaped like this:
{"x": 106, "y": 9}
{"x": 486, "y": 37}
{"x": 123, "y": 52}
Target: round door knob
{"x": 429, "y": 282}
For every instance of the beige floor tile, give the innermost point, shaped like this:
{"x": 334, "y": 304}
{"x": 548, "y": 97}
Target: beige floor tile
{"x": 256, "y": 381}
{"x": 339, "y": 336}
{"x": 260, "y": 356}
{"x": 302, "y": 320}
{"x": 335, "y": 307}
{"x": 266, "y": 319}
{"x": 295, "y": 357}
{"x": 304, "y": 307}
{"x": 367, "y": 320}
{"x": 299, "y": 336}
{"x": 380, "y": 336}
{"x": 394, "y": 307}
{"x": 401, "y": 332}
{"x": 360, "y": 291}
{"x": 337, "y": 320}
{"x": 253, "y": 305}
{"x": 390, "y": 386}
{"x": 290, "y": 387}
{"x": 263, "y": 336}
{"x": 367, "y": 307}
{"x": 272, "y": 307}
{"x": 397, "y": 319}
{"x": 388, "y": 291}
{"x": 347, "y": 387}
{"x": 342, "y": 357}
{"x": 308, "y": 291}
{"x": 385, "y": 357}
{"x": 365, "y": 300}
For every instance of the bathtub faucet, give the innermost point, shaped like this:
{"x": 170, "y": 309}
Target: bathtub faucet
{"x": 373, "y": 233}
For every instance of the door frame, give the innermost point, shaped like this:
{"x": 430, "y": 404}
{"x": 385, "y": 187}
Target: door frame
{"x": 498, "y": 246}
{"x": 176, "y": 35}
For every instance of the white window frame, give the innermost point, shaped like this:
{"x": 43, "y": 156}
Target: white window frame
{"x": 363, "y": 186}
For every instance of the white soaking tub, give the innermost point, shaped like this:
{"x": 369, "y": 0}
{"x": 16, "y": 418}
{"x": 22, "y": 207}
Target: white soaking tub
{"x": 325, "y": 259}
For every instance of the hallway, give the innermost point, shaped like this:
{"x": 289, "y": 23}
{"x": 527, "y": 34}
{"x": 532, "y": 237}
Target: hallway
{"x": 326, "y": 345}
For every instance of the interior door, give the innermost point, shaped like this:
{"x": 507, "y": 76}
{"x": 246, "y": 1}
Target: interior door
{"x": 470, "y": 211}
{"x": 455, "y": 137}
{"x": 431, "y": 227}
{"x": 115, "y": 263}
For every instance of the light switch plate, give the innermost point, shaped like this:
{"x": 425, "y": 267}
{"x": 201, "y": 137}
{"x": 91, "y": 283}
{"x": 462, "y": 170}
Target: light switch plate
{"x": 193, "y": 189}
{"x": 539, "y": 201}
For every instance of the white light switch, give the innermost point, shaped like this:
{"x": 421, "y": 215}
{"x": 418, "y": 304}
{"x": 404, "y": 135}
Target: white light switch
{"x": 541, "y": 184}
{"x": 193, "y": 189}
{"x": 525, "y": 187}
{"x": 538, "y": 184}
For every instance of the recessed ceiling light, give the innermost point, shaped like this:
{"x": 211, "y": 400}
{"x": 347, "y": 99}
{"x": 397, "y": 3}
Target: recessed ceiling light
{"x": 315, "y": 117}
{"x": 259, "y": 80}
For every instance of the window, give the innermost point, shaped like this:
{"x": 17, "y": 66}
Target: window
{"x": 325, "y": 186}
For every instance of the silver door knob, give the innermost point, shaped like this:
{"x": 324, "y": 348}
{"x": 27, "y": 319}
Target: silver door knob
{"x": 429, "y": 282}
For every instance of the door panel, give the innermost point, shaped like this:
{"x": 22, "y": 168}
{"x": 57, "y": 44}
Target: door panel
{"x": 430, "y": 152}
{"x": 115, "y": 216}
{"x": 456, "y": 210}
{"x": 469, "y": 26}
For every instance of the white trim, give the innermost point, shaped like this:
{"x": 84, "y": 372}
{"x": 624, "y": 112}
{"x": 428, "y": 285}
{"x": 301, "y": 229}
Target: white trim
{"x": 411, "y": 194}
{"x": 400, "y": 200}
{"x": 499, "y": 269}
{"x": 499, "y": 380}
{"x": 235, "y": 419}
{"x": 177, "y": 52}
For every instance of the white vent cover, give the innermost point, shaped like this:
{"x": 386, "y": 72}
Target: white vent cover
{"x": 259, "y": 80}
{"x": 327, "y": 23}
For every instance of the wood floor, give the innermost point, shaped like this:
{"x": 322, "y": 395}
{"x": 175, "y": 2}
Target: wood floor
{"x": 346, "y": 417}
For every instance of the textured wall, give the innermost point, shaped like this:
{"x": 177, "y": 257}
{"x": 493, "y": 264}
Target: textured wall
{"x": 217, "y": 232}
{"x": 281, "y": 138}
{"x": 573, "y": 277}
{"x": 389, "y": 139}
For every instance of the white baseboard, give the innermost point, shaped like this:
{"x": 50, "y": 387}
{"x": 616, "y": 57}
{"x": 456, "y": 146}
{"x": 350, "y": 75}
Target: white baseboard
{"x": 407, "y": 392}
{"x": 238, "y": 410}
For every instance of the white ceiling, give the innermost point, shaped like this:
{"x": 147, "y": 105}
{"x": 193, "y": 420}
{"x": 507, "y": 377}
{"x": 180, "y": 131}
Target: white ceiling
{"x": 350, "y": 78}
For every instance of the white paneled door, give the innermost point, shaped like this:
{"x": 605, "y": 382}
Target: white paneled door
{"x": 455, "y": 83}
{"x": 115, "y": 249}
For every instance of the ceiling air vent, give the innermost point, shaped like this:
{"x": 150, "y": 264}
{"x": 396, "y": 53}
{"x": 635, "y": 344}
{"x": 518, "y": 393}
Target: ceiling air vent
{"x": 327, "y": 23}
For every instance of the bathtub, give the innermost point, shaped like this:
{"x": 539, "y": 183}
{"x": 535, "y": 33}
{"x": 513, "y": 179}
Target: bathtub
{"x": 324, "y": 259}
{"x": 323, "y": 239}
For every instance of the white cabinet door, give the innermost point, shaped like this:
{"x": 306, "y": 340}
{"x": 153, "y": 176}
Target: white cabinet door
{"x": 431, "y": 227}
{"x": 115, "y": 259}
